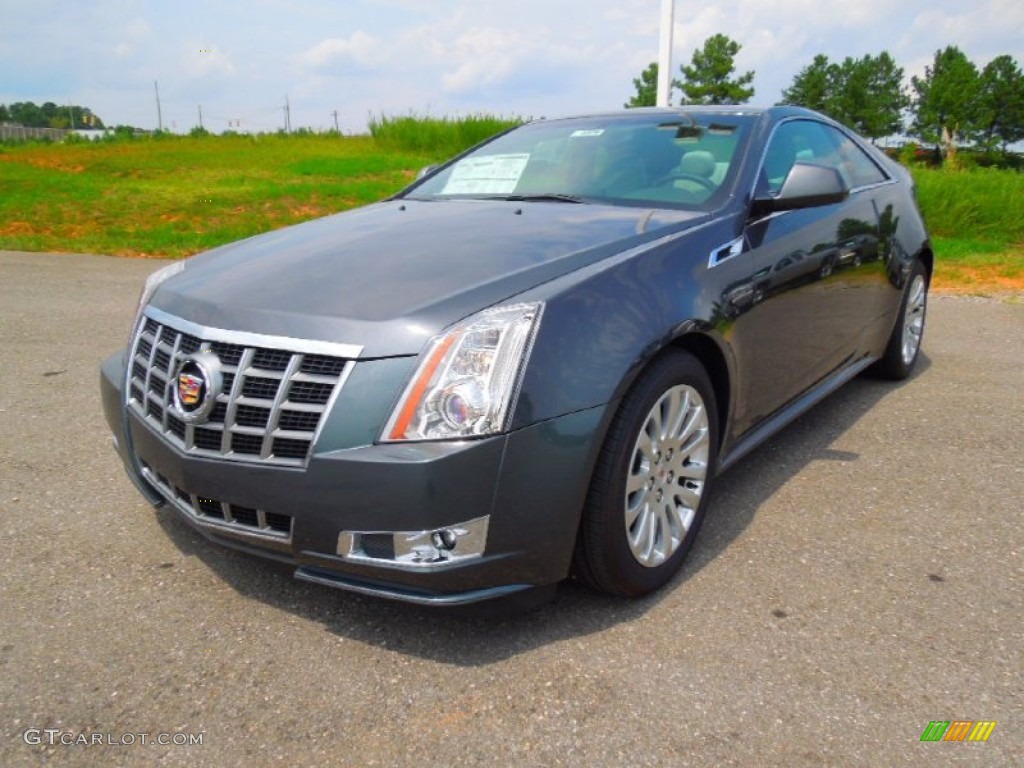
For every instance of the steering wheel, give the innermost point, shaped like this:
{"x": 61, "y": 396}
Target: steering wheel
{"x": 681, "y": 176}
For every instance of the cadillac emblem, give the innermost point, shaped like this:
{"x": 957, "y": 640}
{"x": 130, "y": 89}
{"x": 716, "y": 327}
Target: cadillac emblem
{"x": 197, "y": 383}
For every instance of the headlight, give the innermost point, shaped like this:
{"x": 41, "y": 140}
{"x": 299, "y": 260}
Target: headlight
{"x": 467, "y": 378}
{"x": 152, "y": 283}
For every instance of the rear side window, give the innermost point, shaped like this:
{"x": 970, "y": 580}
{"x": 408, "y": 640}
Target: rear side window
{"x": 857, "y": 168}
{"x": 808, "y": 141}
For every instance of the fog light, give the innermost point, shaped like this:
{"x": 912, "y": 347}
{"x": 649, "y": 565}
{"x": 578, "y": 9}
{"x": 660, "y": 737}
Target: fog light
{"x": 416, "y": 549}
{"x": 444, "y": 540}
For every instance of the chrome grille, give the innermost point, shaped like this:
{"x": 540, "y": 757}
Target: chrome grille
{"x": 221, "y": 513}
{"x": 272, "y": 402}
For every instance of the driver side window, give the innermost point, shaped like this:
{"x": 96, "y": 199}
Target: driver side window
{"x": 808, "y": 141}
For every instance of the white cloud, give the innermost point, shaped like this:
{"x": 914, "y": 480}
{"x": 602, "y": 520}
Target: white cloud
{"x": 131, "y": 37}
{"x": 205, "y": 60}
{"x": 359, "y": 48}
{"x": 485, "y": 56}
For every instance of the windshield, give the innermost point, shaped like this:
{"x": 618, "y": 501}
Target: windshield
{"x": 664, "y": 160}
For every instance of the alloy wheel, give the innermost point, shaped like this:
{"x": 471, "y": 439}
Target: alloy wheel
{"x": 913, "y": 318}
{"x": 667, "y": 475}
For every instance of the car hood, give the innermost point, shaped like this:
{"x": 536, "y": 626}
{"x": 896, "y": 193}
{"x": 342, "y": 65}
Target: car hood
{"x": 388, "y": 276}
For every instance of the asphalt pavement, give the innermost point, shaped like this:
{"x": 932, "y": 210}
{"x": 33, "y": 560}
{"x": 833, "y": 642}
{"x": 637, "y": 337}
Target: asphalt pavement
{"x": 858, "y": 577}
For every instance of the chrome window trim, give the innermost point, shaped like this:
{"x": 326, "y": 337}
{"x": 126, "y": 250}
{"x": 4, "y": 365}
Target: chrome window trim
{"x": 876, "y": 185}
{"x": 889, "y": 179}
{"x": 249, "y": 339}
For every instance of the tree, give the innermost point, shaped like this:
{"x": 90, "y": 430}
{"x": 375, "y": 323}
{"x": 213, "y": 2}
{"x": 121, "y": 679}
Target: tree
{"x": 814, "y": 86}
{"x": 866, "y": 94}
{"x": 49, "y": 115}
{"x": 646, "y": 88}
{"x": 945, "y": 103}
{"x": 1000, "y": 108}
{"x": 28, "y": 114}
{"x": 707, "y": 79}
{"x": 871, "y": 98}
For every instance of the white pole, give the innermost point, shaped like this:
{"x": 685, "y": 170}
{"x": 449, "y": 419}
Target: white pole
{"x": 665, "y": 53}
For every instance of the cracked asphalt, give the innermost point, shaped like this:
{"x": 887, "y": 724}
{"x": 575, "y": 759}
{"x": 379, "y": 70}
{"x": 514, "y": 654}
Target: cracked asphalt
{"x": 859, "y": 576}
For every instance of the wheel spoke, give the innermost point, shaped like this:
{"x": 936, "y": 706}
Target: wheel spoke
{"x": 651, "y": 534}
{"x": 633, "y": 512}
{"x": 638, "y": 531}
{"x": 679, "y": 405}
{"x": 682, "y": 516}
{"x": 654, "y": 424}
{"x": 696, "y": 441}
{"x": 692, "y": 470}
{"x": 693, "y": 423}
{"x": 689, "y": 496}
{"x": 637, "y": 482}
{"x": 663, "y": 541}
{"x": 646, "y": 448}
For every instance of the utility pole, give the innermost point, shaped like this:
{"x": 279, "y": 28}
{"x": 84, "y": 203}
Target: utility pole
{"x": 336, "y": 128}
{"x": 71, "y": 114}
{"x": 668, "y": 8}
{"x": 287, "y": 115}
{"x": 200, "y": 116}
{"x": 159, "y": 116}
{"x": 664, "y": 96}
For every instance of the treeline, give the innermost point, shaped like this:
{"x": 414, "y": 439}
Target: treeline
{"x": 953, "y": 104}
{"x": 49, "y": 115}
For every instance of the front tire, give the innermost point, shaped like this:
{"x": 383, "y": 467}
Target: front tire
{"x": 652, "y": 480}
{"x": 905, "y": 342}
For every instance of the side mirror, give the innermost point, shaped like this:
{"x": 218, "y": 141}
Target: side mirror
{"x": 426, "y": 171}
{"x": 807, "y": 186}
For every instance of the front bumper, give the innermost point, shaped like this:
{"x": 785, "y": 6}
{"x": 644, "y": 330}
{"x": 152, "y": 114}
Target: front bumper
{"x": 529, "y": 485}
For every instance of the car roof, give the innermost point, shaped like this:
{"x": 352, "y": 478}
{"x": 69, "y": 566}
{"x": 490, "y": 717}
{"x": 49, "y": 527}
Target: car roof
{"x": 693, "y": 109}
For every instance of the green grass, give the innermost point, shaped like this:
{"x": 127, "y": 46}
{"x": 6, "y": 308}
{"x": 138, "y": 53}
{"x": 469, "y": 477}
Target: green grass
{"x": 179, "y": 195}
{"x": 977, "y": 206}
{"x": 976, "y": 226}
{"x": 438, "y": 135}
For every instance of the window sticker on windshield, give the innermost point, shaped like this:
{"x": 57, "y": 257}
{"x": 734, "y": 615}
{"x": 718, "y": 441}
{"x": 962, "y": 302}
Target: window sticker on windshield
{"x": 489, "y": 175}
{"x": 586, "y": 132}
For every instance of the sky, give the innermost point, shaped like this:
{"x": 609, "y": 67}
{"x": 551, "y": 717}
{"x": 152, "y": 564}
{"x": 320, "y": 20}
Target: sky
{"x": 243, "y": 60}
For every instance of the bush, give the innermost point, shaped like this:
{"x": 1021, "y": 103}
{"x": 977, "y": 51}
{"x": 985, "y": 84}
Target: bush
{"x": 438, "y": 137}
{"x": 972, "y": 203}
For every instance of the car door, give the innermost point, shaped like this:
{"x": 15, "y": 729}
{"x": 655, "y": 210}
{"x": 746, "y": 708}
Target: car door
{"x": 807, "y": 308}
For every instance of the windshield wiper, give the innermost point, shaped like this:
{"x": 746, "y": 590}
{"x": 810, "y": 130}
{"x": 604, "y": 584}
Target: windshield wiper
{"x": 542, "y": 197}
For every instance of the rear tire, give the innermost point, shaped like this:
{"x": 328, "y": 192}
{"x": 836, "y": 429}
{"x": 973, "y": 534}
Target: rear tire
{"x": 652, "y": 481}
{"x": 905, "y": 342}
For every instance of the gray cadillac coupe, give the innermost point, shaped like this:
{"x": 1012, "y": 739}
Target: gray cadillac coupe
{"x": 531, "y": 363}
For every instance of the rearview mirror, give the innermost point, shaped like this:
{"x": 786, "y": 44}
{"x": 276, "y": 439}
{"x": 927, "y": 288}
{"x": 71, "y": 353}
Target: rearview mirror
{"x": 807, "y": 186}
{"x": 426, "y": 171}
